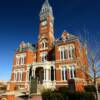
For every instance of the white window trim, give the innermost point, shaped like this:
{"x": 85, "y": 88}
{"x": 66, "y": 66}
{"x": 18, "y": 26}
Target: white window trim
{"x": 43, "y": 55}
{"x": 67, "y": 48}
{"x": 72, "y": 69}
{"x": 63, "y": 68}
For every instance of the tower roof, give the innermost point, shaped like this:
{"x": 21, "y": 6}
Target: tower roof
{"x": 46, "y": 8}
{"x": 66, "y": 37}
{"x": 46, "y": 3}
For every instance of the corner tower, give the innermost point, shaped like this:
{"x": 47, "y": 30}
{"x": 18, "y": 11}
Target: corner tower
{"x": 46, "y": 31}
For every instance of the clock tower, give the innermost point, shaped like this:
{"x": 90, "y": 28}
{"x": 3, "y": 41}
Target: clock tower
{"x": 46, "y": 32}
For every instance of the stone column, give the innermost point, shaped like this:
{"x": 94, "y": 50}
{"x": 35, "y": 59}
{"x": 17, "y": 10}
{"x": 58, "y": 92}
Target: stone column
{"x": 14, "y": 76}
{"x": 73, "y": 73}
{"x": 71, "y": 52}
{"x": 64, "y": 74}
{"x": 33, "y": 73}
{"x": 47, "y": 75}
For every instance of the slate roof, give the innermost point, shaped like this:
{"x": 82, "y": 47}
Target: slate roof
{"x": 26, "y": 46}
{"x": 66, "y": 37}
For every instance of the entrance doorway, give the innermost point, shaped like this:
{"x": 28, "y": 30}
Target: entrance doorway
{"x": 39, "y": 73}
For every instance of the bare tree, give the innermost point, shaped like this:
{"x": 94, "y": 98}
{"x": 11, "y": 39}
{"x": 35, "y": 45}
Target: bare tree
{"x": 93, "y": 52}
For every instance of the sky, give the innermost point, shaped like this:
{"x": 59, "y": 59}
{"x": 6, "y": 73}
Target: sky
{"x": 19, "y": 21}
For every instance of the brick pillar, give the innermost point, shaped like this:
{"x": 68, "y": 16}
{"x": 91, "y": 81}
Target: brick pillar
{"x": 11, "y": 97}
{"x": 76, "y": 85}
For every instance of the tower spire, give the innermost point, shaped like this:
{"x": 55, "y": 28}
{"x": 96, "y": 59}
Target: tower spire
{"x": 47, "y": 3}
{"x": 47, "y": 0}
{"x": 46, "y": 8}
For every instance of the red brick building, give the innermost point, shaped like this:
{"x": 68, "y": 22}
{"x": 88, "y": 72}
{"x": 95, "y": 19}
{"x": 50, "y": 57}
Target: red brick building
{"x": 54, "y": 61}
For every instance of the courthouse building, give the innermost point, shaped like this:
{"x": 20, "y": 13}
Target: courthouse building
{"x": 54, "y": 61}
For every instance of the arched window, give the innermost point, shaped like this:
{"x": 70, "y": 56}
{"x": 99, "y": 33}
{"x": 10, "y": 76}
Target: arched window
{"x": 44, "y": 44}
{"x": 44, "y": 57}
{"x": 71, "y": 52}
{"x": 72, "y": 72}
{"x": 63, "y": 53}
{"x": 17, "y": 60}
{"x": 64, "y": 73}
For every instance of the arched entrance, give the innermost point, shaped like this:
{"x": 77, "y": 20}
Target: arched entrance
{"x": 39, "y": 73}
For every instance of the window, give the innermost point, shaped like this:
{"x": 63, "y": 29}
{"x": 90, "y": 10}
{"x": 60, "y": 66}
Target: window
{"x": 44, "y": 57}
{"x": 72, "y": 72}
{"x": 20, "y": 76}
{"x": 44, "y": 23}
{"x": 44, "y": 44}
{"x": 63, "y": 53}
{"x": 22, "y": 60}
{"x": 64, "y": 73}
{"x": 71, "y": 52}
{"x": 17, "y": 60}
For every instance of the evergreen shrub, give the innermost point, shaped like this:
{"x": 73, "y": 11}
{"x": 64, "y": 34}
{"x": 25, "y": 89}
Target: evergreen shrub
{"x": 63, "y": 93}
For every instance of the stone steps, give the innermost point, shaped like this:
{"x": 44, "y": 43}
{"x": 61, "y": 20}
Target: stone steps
{"x": 39, "y": 88}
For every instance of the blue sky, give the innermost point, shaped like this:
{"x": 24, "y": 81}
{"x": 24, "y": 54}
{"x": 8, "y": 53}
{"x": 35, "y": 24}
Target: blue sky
{"x": 19, "y": 21}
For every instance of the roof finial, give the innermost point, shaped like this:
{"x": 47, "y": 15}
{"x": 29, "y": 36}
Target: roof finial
{"x": 47, "y": 2}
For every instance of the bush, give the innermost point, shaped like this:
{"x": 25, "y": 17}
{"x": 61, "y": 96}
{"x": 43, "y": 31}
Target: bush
{"x": 51, "y": 95}
{"x": 81, "y": 96}
{"x": 99, "y": 88}
{"x": 90, "y": 88}
{"x": 64, "y": 94}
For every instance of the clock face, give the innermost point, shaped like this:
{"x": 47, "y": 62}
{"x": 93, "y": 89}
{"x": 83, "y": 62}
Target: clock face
{"x": 44, "y": 23}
